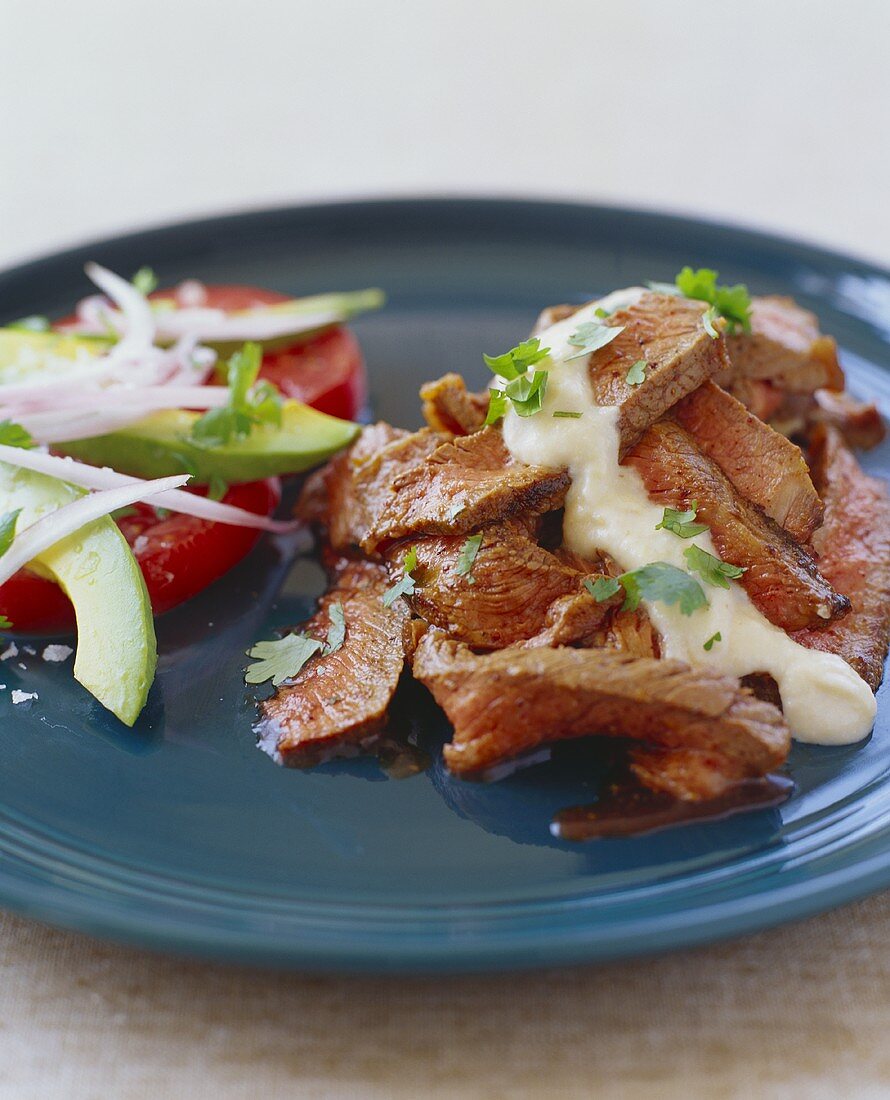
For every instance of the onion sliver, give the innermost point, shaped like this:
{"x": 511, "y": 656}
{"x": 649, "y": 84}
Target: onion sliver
{"x": 55, "y": 526}
{"x": 175, "y": 500}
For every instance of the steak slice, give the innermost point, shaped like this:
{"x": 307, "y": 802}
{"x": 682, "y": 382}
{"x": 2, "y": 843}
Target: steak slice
{"x": 344, "y": 496}
{"x": 516, "y": 590}
{"x": 449, "y": 407}
{"x": 786, "y": 347}
{"x": 860, "y": 423}
{"x": 463, "y": 485}
{"x": 337, "y": 703}
{"x": 506, "y": 703}
{"x": 668, "y": 334}
{"x": 764, "y": 466}
{"x": 781, "y": 578}
{"x": 854, "y": 554}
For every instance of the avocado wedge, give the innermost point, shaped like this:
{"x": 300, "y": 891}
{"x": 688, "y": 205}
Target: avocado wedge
{"x": 159, "y": 445}
{"x": 116, "y": 647}
{"x": 24, "y": 354}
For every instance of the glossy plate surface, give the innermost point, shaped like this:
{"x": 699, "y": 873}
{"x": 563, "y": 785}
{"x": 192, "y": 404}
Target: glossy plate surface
{"x": 181, "y": 835}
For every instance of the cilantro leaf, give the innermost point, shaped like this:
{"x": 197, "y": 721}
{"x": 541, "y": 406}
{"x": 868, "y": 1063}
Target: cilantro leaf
{"x": 600, "y": 312}
{"x": 712, "y": 570}
{"x": 603, "y": 588}
{"x": 591, "y": 336}
{"x": 14, "y": 435}
{"x": 664, "y": 582}
{"x": 250, "y": 403}
{"x": 516, "y": 361}
{"x": 637, "y": 373}
{"x": 467, "y": 556}
{"x": 565, "y": 415}
{"x": 497, "y": 406}
{"x": 145, "y": 280}
{"x": 730, "y": 302}
{"x": 280, "y": 660}
{"x": 336, "y": 634}
{"x": 681, "y": 523}
{"x": 34, "y": 323}
{"x": 7, "y": 529}
{"x": 5, "y": 624}
{"x": 405, "y": 585}
{"x": 709, "y": 644}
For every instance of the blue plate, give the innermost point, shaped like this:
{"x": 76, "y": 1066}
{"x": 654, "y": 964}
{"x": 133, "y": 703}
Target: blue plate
{"x": 181, "y": 835}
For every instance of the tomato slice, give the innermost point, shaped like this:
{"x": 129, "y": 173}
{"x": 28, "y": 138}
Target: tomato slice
{"x": 178, "y": 555}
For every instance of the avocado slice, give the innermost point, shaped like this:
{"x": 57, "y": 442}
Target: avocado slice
{"x": 116, "y": 646}
{"x": 159, "y": 445}
{"x": 24, "y": 354}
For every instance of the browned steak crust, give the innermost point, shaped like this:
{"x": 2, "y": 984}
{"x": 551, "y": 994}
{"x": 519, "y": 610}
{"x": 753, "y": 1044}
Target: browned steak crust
{"x": 506, "y": 703}
{"x": 337, "y": 703}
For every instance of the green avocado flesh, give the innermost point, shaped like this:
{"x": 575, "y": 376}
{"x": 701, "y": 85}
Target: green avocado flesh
{"x": 116, "y": 647}
{"x": 158, "y": 445}
{"x": 28, "y": 354}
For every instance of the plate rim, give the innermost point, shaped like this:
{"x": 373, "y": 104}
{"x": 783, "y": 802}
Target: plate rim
{"x": 573, "y": 939}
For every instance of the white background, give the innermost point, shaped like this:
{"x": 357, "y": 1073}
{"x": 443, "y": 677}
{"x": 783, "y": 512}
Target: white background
{"x": 122, "y": 114}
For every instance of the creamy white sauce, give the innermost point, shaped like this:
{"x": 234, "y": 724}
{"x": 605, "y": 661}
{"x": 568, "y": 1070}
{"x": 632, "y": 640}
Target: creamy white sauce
{"x": 607, "y": 508}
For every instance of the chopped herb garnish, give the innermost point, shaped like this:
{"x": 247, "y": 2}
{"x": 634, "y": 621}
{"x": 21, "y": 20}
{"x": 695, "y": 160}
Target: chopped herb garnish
{"x": 217, "y": 487}
{"x": 664, "y": 582}
{"x": 283, "y": 658}
{"x": 5, "y": 624}
{"x": 526, "y": 391}
{"x": 600, "y": 312}
{"x": 711, "y": 569}
{"x": 250, "y": 403}
{"x": 591, "y": 336}
{"x": 280, "y": 660}
{"x": 7, "y": 529}
{"x": 731, "y": 302}
{"x": 14, "y": 435}
{"x": 145, "y": 280}
{"x": 657, "y": 581}
{"x": 467, "y": 556}
{"x": 681, "y": 523}
{"x": 708, "y": 318}
{"x": 637, "y": 373}
{"x": 567, "y": 415}
{"x": 603, "y": 588}
{"x": 405, "y": 585}
{"x": 336, "y": 635}
{"x": 34, "y": 323}
{"x": 516, "y": 361}
{"x": 709, "y": 644}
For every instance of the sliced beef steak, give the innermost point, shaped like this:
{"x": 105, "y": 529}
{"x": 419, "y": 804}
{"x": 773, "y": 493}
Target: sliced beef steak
{"x": 854, "y": 554}
{"x": 781, "y": 577}
{"x": 515, "y": 591}
{"x": 345, "y": 496}
{"x": 506, "y": 703}
{"x": 337, "y": 704}
{"x": 785, "y": 347}
{"x": 667, "y": 333}
{"x": 860, "y": 423}
{"x": 449, "y": 407}
{"x": 464, "y": 484}
{"x": 764, "y": 466}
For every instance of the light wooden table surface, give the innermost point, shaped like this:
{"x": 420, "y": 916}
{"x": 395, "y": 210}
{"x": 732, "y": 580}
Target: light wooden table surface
{"x": 769, "y": 113}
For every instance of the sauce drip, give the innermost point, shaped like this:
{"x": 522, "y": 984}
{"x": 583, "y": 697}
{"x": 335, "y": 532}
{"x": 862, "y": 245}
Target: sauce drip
{"x": 630, "y": 810}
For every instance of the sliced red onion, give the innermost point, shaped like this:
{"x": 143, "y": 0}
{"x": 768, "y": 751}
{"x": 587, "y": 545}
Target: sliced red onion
{"x": 55, "y": 526}
{"x": 136, "y": 313}
{"x": 101, "y": 477}
{"x": 138, "y": 400}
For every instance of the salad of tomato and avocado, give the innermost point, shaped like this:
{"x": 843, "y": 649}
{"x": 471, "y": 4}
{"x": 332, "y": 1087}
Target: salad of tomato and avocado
{"x": 143, "y": 439}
